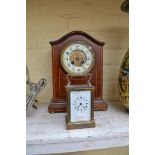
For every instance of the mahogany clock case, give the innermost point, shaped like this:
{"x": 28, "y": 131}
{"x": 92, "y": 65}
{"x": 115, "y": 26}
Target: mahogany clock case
{"x": 58, "y": 102}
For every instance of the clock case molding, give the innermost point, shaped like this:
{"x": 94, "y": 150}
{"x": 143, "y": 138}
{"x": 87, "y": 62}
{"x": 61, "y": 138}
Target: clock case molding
{"x": 59, "y": 100}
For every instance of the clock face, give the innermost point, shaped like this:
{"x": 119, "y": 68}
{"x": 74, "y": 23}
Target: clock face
{"x": 77, "y": 58}
{"x": 80, "y": 106}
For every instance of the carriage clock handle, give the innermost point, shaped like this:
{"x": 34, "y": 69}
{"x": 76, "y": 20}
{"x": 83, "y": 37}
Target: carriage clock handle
{"x": 88, "y": 82}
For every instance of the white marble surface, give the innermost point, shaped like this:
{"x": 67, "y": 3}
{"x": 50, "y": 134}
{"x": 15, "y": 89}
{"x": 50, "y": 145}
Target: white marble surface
{"x": 47, "y": 134}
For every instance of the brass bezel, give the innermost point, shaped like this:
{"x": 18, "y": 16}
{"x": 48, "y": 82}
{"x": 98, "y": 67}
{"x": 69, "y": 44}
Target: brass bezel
{"x": 80, "y": 124}
{"x": 90, "y": 67}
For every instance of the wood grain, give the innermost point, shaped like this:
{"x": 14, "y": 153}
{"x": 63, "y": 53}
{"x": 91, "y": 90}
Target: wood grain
{"x": 58, "y": 102}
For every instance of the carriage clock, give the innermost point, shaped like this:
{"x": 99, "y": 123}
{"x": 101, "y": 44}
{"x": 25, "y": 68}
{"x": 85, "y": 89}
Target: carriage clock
{"x": 80, "y": 112}
{"x": 77, "y": 53}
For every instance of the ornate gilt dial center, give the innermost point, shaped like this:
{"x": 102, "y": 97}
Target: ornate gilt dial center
{"x": 77, "y": 58}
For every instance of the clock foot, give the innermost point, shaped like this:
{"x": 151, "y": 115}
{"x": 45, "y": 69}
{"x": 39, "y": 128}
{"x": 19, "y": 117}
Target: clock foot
{"x": 57, "y": 107}
{"x": 100, "y": 105}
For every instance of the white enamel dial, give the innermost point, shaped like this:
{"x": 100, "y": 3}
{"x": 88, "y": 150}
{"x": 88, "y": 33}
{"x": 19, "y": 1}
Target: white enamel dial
{"x": 77, "y": 58}
{"x": 80, "y": 106}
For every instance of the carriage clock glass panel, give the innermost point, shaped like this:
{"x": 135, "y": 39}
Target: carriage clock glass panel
{"x": 80, "y": 102}
{"x": 77, "y": 58}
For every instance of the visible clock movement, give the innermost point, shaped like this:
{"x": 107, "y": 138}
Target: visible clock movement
{"x": 76, "y": 53}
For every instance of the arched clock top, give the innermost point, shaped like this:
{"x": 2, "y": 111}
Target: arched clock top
{"x": 81, "y": 33}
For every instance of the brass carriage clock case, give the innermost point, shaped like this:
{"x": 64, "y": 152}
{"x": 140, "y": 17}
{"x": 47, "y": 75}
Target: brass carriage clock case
{"x": 80, "y": 98}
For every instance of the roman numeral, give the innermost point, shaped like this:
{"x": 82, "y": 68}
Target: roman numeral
{"x": 67, "y": 53}
{"x": 68, "y": 64}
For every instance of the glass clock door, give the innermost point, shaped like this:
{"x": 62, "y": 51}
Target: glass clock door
{"x": 80, "y": 104}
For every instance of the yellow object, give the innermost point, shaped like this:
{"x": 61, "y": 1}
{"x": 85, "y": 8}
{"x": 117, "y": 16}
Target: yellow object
{"x": 123, "y": 81}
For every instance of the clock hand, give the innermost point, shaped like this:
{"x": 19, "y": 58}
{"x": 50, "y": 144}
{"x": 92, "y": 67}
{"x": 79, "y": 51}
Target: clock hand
{"x": 85, "y": 107}
{"x": 82, "y": 106}
{"x": 78, "y": 108}
{"x": 77, "y": 58}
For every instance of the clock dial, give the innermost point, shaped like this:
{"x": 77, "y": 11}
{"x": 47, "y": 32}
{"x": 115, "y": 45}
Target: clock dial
{"x": 80, "y": 106}
{"x": 77, "y": 58}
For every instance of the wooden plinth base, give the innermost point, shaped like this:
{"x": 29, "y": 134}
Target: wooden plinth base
{"x": 99, "y": 105}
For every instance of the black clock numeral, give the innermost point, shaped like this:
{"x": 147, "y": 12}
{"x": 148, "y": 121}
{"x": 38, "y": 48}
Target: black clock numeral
{"x": 80, "y": 97}
{"x": 78, "y": 108}
{"x": 67, "y": 53}
{"x": 68, "y": 64}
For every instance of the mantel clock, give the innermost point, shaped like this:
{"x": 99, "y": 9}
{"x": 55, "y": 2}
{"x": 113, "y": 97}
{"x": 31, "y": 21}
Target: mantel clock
{"x": 77, "y": 54}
